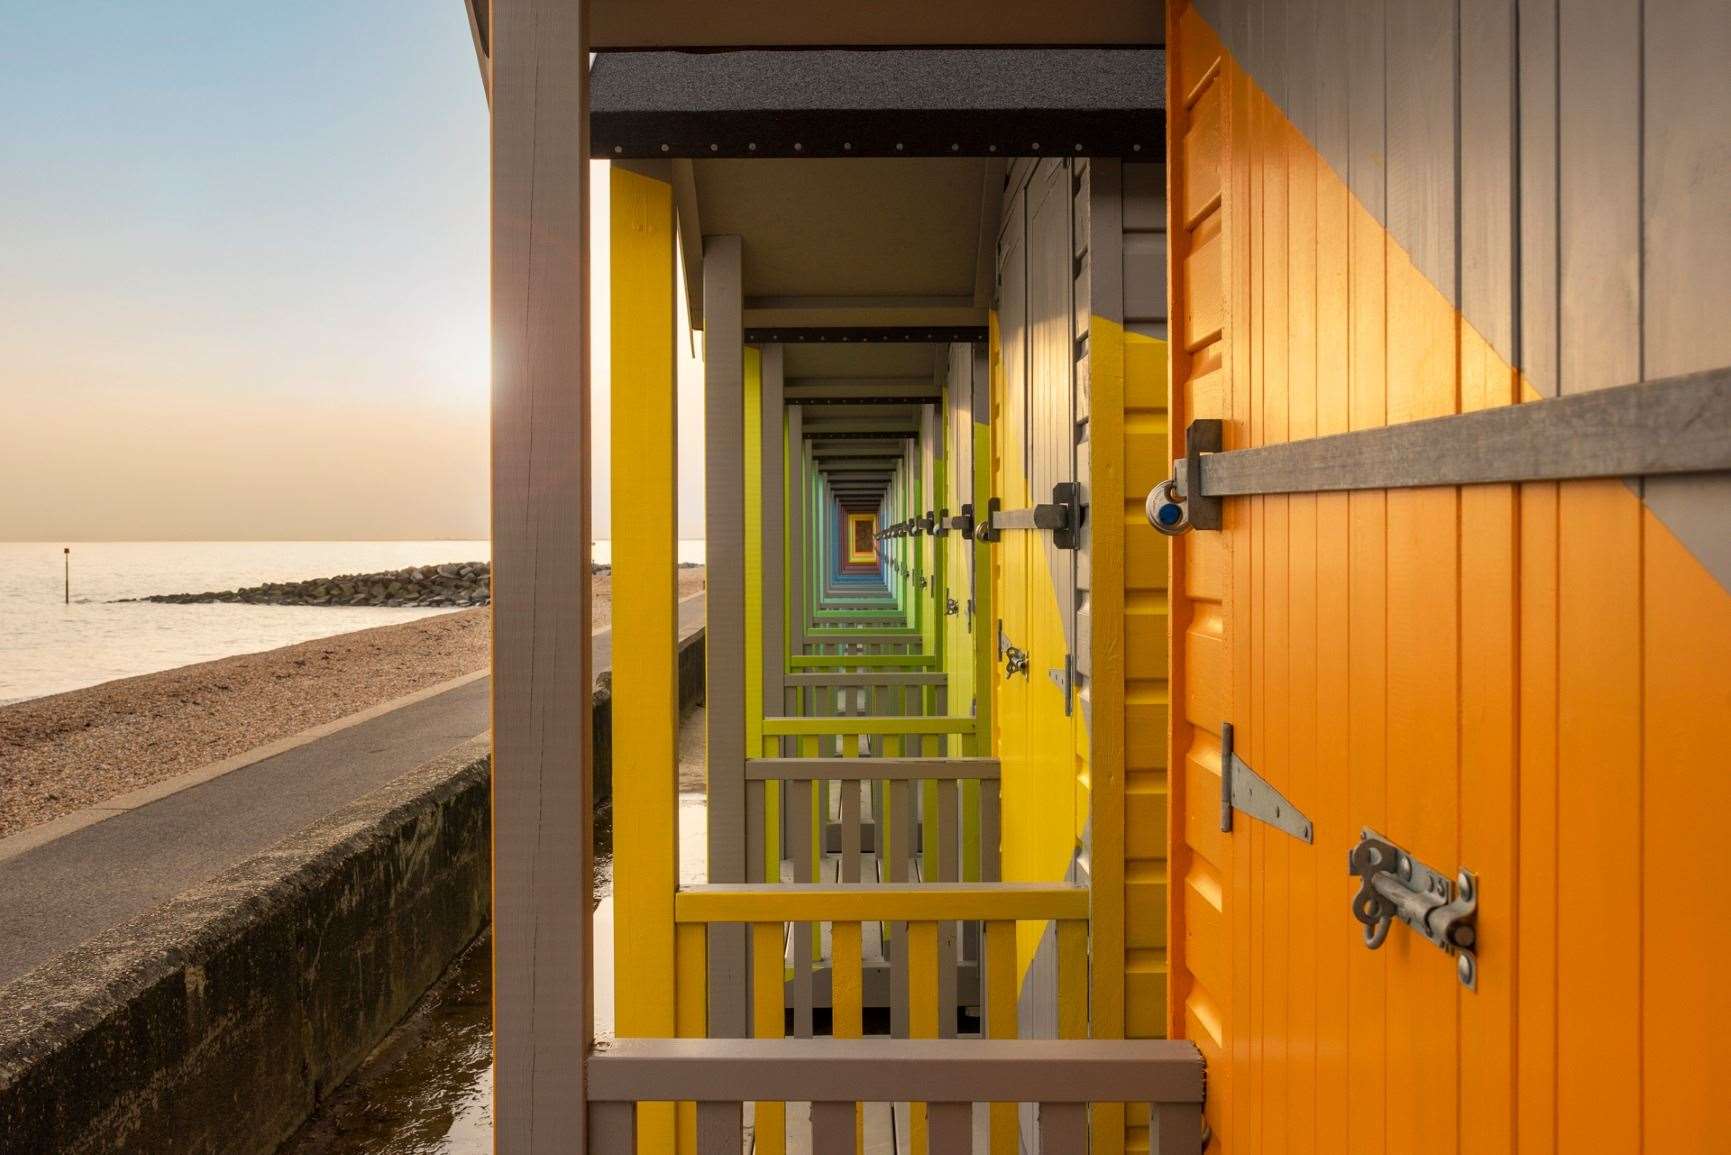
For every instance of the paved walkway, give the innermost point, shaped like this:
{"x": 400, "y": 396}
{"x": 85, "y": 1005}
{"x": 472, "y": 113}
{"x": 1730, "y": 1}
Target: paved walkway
{"x": 65, "y": 892}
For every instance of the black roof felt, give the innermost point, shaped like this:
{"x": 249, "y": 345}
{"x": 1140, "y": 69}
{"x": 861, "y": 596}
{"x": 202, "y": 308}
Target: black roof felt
{"x": 931, "y": 101}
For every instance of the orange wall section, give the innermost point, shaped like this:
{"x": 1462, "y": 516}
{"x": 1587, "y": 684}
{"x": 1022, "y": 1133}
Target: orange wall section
{"x": 1517, "y": 679}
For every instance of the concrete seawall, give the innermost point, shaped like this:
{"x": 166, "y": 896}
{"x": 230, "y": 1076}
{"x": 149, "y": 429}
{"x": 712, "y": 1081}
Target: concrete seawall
{"x": 218, "y": 1021}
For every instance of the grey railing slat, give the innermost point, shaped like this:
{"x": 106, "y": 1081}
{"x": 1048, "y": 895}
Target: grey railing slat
{"x": 720, "y": 1128}
{"x": 1063, "y": 1128}
{"x": 832, "y": 1127}
{"x": 800, "y": 798}
{"x": 613, "y": 1128}
{"x": 950, "y": 1127}
{"x": 990, "y": 868}
{"x": 1176, "y": 1129}
{"x": 850, "y": 829}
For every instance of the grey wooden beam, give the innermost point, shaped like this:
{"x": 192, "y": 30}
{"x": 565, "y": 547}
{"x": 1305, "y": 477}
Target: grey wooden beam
{"x": 888, "y": 1070}
{"x": 876, "y": 769}
{"x": 1676, "y": 425}
{"x": 724, "y": 499}
{"x": 541, "y": 683}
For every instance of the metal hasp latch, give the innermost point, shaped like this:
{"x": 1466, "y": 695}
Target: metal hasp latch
{"x": 1242, "y": 788}
{"x": 1393, "y": 884}
{"x": 1015, "y": 659}
{"x": 1063, "y": 516}
{"x": 937, "y": 522}
{"x": 1178, "y": 503}
{"x": 952, "y": 607}
{"x": 963, "y": 523}
{"x": 983, "y": 530}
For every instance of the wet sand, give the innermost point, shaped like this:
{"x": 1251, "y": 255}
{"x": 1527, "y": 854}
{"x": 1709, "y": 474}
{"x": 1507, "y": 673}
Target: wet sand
{"x": 69, "y": 751}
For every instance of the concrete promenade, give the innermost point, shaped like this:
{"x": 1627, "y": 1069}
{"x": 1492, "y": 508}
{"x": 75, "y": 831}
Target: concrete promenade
{"x": 60, "y": 894}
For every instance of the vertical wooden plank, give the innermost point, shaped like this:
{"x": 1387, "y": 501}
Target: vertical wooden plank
{"x": 1063, "y": 1129}
{"x": 846, "y": 985}
{"x": 991, "y": 832}
{"x": 1367, "y": 652}
{"x": 613, "y": 1128}
{"x": 1487, "y": 172}
{"x": 1599, "y": 205}
{"x": 691, "y": 1000}
{"x": 850, "y": 830}
{"x": 773, "y": 502}
{"x": 724, "y": 488}
{"x": 768, "y": 1002}
{"x": 1177, "y": 1129}
{"x": 832, "y": 1127}
{"x": 922, "y": 971}
{"x": 949, "y": 870}
{"x": 799, "y": 827}
{"x": 797, "y": 522}
{"x": 1536, "y": 951}
{"x": 1539, "y": 202}
{"x": 720, "y": 1128}
{"x": 1599, "y": 847}
{"x": 899, "y": 827}
{"x": 542, "y": 951}
{"x": 999, "y": 980}
{"x": 952, "y": 1128}
{"x": 1686, "y": 243}
{"x": 645, "y": 614}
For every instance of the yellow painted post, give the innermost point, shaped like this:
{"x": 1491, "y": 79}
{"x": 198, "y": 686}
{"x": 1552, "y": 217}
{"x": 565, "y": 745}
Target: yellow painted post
{"x": 922, "y": 1010}
{"x": 645, "y": 619}
{"x": 1001, "y": 1023}
{"x": 691, "y": 1015}
{"x": 847, "y": 998}
{"x": 768, "y": 1002}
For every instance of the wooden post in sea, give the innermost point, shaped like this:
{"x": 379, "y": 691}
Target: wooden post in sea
{"x": 67, "y": 551}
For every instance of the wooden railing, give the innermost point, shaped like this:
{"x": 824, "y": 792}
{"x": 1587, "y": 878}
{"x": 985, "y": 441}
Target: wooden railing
{"x": 914, "y": 914}
{"x": 944, "y": 1078}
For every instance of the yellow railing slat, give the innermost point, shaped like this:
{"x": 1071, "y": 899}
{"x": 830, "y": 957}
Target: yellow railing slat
{"x": 892, "y": 902}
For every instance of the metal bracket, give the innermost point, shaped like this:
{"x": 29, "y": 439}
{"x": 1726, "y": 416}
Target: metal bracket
{"x": 1065, "y": 680}
{"x": 963, "y": 523}
{"x": 1204, "y": 435}
{"x": 984, "y": 530}
{"x": 1242, "y": 788}
{"x": 952, "y": 607}
{"x": 940, "y": 523}
{"x": 1064, "y": 516}
{"x": 1393, "y": 884}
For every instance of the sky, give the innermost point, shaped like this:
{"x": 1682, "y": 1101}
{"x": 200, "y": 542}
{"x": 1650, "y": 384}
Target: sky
{"x": 243, "y": 275}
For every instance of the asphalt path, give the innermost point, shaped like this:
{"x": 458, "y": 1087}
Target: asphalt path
{"x": 63, "y": 893}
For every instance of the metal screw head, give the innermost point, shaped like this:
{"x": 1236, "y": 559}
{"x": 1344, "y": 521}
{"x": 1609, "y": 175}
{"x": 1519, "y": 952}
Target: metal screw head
{"x": 1464, "y": 884}
{"x": 1405, "y": 866}
{"x": 1464, "y": 967}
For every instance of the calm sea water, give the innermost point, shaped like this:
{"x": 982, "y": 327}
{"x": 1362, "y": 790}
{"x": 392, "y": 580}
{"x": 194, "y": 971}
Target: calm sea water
{"x": 47, "y": 647}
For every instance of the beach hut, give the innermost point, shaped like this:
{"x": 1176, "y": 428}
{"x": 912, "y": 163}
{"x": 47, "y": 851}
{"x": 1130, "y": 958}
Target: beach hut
{"x": 1218, "y": 551}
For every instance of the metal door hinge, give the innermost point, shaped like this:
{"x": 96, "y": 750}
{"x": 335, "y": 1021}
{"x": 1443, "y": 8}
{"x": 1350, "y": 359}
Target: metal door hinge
{"x": 1393, "y": 884}
{"x": 952, "y": 607}
{"x": 1242, "y": 788}
{"x": 938, "y": 522}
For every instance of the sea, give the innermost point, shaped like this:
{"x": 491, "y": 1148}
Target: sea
{"x": 49, "y": 645}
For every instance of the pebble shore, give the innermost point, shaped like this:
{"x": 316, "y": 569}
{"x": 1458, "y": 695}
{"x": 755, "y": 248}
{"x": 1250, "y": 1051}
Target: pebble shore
{"x": 69, "y": 751}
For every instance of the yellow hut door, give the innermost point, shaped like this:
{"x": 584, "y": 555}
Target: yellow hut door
{"x": 1033, "y": 434}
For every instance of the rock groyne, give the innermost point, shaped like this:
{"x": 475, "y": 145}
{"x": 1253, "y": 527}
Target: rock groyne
{"x": 455, "y": 584}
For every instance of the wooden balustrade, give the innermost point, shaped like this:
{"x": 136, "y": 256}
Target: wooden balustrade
{"x": 945, "y": 1078}
{"x": 921, "y": 917}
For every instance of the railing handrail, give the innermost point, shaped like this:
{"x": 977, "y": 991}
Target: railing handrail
{"x": 886, "y": 724}
{"x": 881, "y": 1070}
{"x": 871, "y": 768}
{"x": 884, "y": 902}
{"x": 857, "y": 679}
